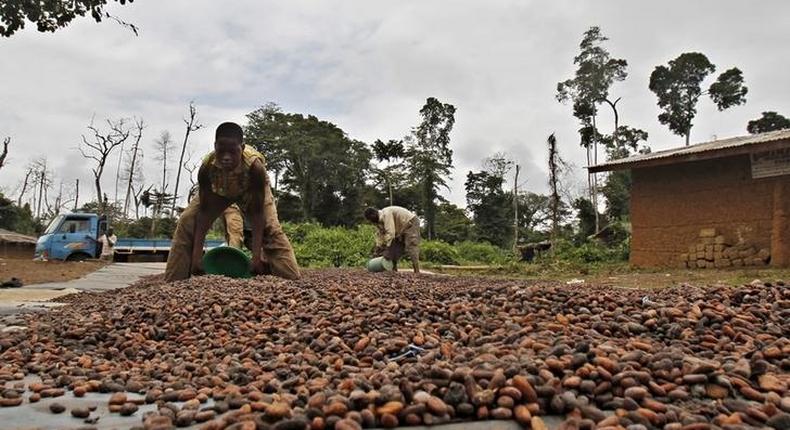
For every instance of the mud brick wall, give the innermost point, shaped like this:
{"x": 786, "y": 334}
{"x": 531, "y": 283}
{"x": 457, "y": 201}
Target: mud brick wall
{"x": 672, "y": 204}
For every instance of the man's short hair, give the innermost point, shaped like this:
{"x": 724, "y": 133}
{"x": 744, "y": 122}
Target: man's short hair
{"x": 371, "y": 213}
{"x": 231, "y": 130}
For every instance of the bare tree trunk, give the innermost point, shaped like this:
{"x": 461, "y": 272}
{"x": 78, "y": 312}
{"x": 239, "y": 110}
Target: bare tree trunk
{"x": 688, "y": 137}
{"x": 139, "y": 136}
{"x": 595, "y": 176}
{"x": 40, "y": 190}
{"x": 515, "y": 210}
{"x": 24, "y": 187}
{"x": 118, "y": 174}
{"x": 554, "y": 163}
{"x": 4, "y": 154}
{"x": 77, "y": 197}
{"x": 191, "y": 126}
{"x": 97, "y": 183}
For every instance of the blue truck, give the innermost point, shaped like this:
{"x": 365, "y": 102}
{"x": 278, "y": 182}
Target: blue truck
{"x": 75, "y": 237}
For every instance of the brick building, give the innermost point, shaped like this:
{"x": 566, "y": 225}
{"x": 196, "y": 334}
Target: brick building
{"x": 716, "y": 204}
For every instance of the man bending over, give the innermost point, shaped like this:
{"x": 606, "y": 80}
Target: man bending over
{"x": 232, "y": 173}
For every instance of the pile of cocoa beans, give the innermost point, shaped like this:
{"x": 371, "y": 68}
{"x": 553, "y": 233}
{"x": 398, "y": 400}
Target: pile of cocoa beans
{"x": 345, "y": 349}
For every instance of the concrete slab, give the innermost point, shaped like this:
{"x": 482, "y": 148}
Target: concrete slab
{"x": 110, "y": 277}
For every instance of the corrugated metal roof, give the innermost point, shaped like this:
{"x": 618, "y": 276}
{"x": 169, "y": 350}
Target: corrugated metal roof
{"x": 699, "y": 148}
{"x": 14, "y": 237}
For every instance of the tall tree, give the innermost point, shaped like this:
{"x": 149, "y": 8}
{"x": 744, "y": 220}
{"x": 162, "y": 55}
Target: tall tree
{"x": 488, "y": 202}
{"x": 596, "y": 72}
{"x": 262, "y": 131}
{"x": 391, "y": 152}
{"x": 317, "y": 160}
{"x": 101, "y": 146}
{"x": 555, "y": 165}
{"x": 51, "y": 15}
{"x": 429, "y": 157}
{"x": 191, "y": 126}
{"x": 678, "y": 87}
{"x": 769, "y": 121}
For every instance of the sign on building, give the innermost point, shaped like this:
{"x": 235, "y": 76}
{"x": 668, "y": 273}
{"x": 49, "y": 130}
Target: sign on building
{"x": 771, "y": 163}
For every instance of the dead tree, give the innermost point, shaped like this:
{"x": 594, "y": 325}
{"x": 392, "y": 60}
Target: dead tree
{"x": 41, "y": 182}
{"x": 191, "y": 168}
{"x": 24, "y": 186}
{"x": 102, "y": 146}
{"x": 139, "y": 126}
{"x": 4, "y": 154}
{"x": 164, "y": 146}
{"x": 555, "y": 165}
{"x": 76, "y": 194}
{"x": 191, "y": 125}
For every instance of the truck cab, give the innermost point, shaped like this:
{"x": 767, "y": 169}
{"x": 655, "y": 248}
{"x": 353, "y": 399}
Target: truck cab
{"x": 75, "y": 237}
{"x": 72, "y": 237}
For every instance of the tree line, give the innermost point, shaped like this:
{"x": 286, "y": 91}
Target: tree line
{"x": 319, "y": 174}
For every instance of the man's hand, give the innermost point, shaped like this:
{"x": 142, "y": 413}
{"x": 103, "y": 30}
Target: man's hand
{"x": 258, "y": 267}
{"x": 197, "y": 267}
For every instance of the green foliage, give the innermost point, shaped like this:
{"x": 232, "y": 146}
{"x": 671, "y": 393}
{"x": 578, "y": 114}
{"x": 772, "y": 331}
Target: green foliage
{"x": 481, "y": 253}
{"x": 452, "y": 224}
{"x": 49, "y": 15}
{"x": 429, "y": 157}
{"x": 678, "y": 88}
{"x": 728, "y": 90}
{"x": 769, "y": 121}
{"x": 588, "y": 252}
{"x": 595, "y": 74}
{"x": 617, "y": 192}
{"x": 317, "y": 160}
{"x": 18, "y": 219}
{"x": 586, "y": 218}
{"x": 436, "y": 251}
{"x": 331, "y": 247}
{"x": 489, "y": 204}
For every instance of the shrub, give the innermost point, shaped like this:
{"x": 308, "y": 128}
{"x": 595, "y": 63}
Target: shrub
{"x": 332, "y": 247}
{"x": 589, "y": 252}
{"x": 436, "y": 251}
{"x": 481, "y": 252}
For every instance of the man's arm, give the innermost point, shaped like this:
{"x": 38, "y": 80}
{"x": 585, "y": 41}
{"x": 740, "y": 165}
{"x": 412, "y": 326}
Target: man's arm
{"x": 256, "y": 215}
{"x": 211, "y": 205}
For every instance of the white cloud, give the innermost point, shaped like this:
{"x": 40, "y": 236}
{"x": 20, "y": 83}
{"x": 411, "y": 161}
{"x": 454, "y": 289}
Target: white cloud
{"x": 369, "y": 66}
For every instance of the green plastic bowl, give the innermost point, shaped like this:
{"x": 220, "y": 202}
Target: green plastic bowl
{"x": 379, "y": 264}
{"x": 227, "y": 261}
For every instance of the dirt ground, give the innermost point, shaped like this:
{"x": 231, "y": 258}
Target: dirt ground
{"x": 37, "y": 272}
{"x": 620, "y": 275}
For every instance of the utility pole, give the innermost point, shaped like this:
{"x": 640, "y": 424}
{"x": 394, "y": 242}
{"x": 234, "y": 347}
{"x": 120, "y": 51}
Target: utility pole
{"x": 515, "y": 211}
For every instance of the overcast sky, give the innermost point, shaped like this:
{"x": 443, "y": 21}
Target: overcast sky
{"x": 368, "y": 66}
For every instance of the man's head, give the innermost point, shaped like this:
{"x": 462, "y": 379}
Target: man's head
{"x": 228, "y": 145}
{"x": 372, "y": 215}
{"x": 110, "y": 231}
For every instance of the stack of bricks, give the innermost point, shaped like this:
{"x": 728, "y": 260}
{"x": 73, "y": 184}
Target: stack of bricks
{"x": 714, "y": 250}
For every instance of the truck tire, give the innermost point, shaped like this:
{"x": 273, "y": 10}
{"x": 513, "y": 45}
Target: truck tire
{"x": 78, "y": 256}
